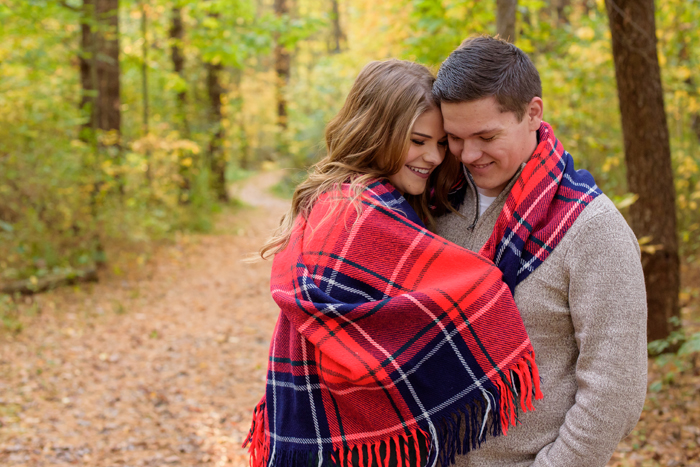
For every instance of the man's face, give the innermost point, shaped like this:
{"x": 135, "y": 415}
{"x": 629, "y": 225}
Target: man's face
{"x": 491, "y": 144}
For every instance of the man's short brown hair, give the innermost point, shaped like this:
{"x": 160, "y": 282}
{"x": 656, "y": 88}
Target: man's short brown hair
{"x": 488, "y": 66}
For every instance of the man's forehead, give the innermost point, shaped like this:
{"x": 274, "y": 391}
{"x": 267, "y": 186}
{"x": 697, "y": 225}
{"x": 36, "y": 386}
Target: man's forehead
{"x": 467, "y": 118}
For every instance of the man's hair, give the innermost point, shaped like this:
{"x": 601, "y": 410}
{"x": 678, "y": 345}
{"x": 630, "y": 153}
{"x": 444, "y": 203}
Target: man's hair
{"x": 489, "y": 66}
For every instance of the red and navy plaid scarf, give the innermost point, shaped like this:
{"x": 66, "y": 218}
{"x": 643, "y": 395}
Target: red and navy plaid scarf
{"x": 544, "y": 202}
{"x": 388, "y": 336}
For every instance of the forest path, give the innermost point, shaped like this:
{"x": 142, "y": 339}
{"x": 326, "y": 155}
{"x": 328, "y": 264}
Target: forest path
{"x": 160, "y": 369}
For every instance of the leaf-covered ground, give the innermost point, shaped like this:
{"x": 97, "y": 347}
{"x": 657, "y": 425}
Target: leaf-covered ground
{"x": 161, "y": 364}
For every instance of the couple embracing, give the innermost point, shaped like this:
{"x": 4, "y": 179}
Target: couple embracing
{"x": 452, "y": 290}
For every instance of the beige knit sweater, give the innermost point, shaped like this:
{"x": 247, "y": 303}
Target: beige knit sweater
{"x": 585, "y": 311}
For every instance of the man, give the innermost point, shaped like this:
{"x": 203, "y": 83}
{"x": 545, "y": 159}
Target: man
{"x": 576, "y": 273}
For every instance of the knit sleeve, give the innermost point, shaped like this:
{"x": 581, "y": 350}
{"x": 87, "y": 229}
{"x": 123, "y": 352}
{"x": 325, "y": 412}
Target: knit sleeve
{"x": 607, "y": 301}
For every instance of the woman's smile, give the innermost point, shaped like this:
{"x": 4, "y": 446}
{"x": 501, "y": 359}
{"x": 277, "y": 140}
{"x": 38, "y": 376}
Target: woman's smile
{"x": 419, "y": 171}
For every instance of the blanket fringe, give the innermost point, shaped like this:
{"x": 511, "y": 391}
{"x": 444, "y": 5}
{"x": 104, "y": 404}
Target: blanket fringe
{"x": 522, "y": 381}
{"x": 259, "y": 448}
{"x": 515, "y": 388}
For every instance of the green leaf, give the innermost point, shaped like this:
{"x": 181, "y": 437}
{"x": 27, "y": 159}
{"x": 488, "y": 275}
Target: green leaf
{"x": 690, "y": 346}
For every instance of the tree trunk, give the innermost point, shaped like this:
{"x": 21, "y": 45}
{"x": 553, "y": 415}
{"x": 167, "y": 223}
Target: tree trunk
{"x": 282, "y": 68}
{"x": 144, "y": 87}
{"x": 505, "y": 19}
{"x": 560, "y": 8}
{"x": 647, "y": 155}
{"x": 99, "y": 70}
{"x": 177, "y": 35}
{"x": 338, "y": 35}
{"x": 99, "y": 78}
{"x": 88, "y": 69}
{"x": 144, "y": 66}
{"x": 217, "y": 160}
{"x": 110, "y": 111}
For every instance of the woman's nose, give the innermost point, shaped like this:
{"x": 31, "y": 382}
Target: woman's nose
{"x": 435, "y": 154}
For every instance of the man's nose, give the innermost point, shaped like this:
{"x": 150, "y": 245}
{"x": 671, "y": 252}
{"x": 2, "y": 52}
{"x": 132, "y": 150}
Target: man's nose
{"x": 470, "y": 153}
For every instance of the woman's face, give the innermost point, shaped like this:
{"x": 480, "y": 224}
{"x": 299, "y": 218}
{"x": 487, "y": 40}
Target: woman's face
{"x": 427, "y": 150}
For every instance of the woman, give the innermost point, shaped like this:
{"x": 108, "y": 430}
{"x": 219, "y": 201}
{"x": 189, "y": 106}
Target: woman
{"x": 387, "y": 334}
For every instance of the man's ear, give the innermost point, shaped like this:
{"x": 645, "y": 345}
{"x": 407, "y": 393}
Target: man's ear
{"x": 534, "y": 112}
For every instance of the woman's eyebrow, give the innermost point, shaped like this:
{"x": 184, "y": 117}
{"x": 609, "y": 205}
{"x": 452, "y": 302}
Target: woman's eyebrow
{"x": 421, "y": 134}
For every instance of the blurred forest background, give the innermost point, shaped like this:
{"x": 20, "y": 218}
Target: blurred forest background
{"x": 124, "y": 121}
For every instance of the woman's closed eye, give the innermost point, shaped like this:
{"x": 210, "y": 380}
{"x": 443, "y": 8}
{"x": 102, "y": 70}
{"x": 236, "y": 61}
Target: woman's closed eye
{"x": 443, "y": 142}
{"x": 418, "y": 142}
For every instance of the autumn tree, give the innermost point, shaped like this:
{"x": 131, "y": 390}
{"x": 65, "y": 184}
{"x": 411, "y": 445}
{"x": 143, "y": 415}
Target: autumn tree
{"x": 215, "y": 91}
{"x": 505, "y": 19}
{"x": 99, "y": 64}
{"x": 647, "y": 155}
{"x": 177, "y": 36}
{"x": 144, "y": 65}
{"x": 338, "y": 34}
{"x": 560, "y": 7}
{"x": 282, "y": 66}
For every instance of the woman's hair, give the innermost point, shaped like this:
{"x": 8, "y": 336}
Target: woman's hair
{"x": 369, "y": 139}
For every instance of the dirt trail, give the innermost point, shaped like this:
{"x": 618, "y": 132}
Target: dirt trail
{"x": 163, "y": 369}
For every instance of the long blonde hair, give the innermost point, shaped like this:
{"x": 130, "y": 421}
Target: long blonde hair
{"x": 369, "y": 139}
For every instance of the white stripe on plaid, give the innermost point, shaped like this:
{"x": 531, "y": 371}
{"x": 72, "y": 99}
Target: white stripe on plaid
{"x": 274, "y": 398}
{"x": 311, "y": 392}
{"x": 506, "y": 241}
{"x": 561, "y": 225}
{"x": 342, "y": 286}
{"x": 402, "y": 261}
{"x": 346, "y": 247}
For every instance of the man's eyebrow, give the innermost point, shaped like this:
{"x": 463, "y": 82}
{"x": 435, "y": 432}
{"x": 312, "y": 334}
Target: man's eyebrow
{"x": 485, "y": 131}
{"x": 478, "y": 133}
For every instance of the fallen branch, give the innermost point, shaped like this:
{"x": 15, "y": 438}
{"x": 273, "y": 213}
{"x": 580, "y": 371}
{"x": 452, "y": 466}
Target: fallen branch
{"x": 29, "y": 287}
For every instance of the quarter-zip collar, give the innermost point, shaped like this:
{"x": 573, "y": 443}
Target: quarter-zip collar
{"x": 499, "y": 201}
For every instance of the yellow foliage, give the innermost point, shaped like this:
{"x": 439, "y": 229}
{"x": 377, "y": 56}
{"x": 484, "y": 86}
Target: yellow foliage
{"x": 585, "y": 33}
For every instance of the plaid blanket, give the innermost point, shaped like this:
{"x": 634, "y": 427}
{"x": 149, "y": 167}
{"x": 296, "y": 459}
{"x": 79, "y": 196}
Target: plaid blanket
{"x": 388, "y": 336}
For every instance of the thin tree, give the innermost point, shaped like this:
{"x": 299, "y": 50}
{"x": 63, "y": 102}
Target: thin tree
{"x": 217, "y": 161}
{"x": 144, "y": 84}
{"x": 98, "y": 57}
{"x": 144, "y": 66}
{"x": 177, "y": 36}
{"x": 647, "y": 155}
{"x": 560, "y": 7}
{"x": 99, "y": 64}
{"x": 338, "y": 35}
{"x": 505, "y": 19}
{"x": 282, "y": 68}
{"x": 217, "y": 157}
